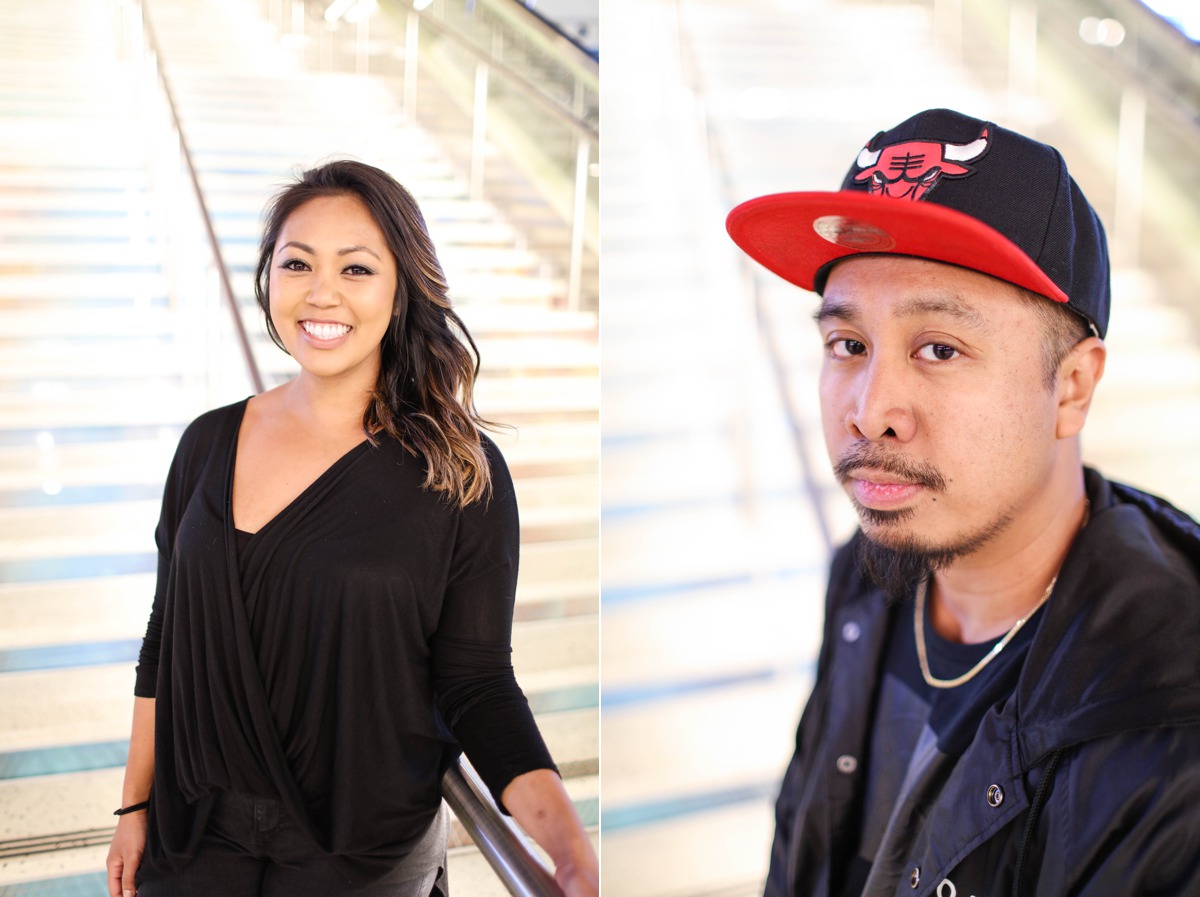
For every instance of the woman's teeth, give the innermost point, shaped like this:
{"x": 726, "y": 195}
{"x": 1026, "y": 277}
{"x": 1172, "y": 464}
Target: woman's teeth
{"x": 325, "y": 331}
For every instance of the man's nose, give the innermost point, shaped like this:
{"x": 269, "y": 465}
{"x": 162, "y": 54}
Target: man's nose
{"x": 882, "y": 402}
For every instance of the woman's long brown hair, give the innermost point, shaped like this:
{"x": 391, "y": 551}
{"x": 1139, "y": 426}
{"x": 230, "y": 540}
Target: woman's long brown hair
{"x": 423, "y": 397}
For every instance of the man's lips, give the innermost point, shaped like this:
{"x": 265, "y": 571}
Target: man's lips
{"x": 882, "y": 491}
{"x": 885, "y": 480}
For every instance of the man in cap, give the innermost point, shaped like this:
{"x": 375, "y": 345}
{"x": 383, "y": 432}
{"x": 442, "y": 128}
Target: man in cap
{"x": 1008, "y": 695}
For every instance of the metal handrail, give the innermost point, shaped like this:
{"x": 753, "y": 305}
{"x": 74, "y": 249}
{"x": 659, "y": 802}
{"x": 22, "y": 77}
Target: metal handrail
{"x": 500, "y": 845}
{"x": 151, "y": 44}
{"x": 546, "y": 34}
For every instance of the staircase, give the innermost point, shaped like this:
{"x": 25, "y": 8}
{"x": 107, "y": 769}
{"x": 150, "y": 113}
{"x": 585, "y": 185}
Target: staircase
{"x": 107, "y": 355}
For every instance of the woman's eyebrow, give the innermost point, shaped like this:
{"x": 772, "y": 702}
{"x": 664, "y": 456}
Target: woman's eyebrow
{"x": 303, "y": 247}
{"x": 350, "y": 249}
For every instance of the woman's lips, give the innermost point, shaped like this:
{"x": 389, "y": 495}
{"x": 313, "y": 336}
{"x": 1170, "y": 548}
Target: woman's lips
{"x": 324, "y": 334}
{"x": 883, "y": 496}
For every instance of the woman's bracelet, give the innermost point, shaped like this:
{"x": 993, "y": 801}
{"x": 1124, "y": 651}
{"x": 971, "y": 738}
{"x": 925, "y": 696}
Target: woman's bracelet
{"x": 132, "y": 808}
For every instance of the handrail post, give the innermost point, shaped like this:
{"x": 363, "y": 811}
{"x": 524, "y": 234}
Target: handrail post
{"x": 362, "y": 45}
{"x": 522, "y": 874}
{"x": 1131, "y": 151}
{"x": 412, "y": 24}
{"x": 1022, "y": 65}
{"x": 479, "y": 130}
{"x": 578, "y": 224}
{"x": 578, "y": 208}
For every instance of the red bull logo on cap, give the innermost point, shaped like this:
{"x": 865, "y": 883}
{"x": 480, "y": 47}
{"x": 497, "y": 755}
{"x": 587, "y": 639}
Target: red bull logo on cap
{"x": 911, "y": 169}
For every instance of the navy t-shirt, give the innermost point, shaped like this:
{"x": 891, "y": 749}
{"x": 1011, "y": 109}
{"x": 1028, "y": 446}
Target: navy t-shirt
{"x": 908, "y": 710}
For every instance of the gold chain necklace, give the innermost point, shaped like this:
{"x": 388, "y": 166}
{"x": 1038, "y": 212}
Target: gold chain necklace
{"x": 919, "y": 629}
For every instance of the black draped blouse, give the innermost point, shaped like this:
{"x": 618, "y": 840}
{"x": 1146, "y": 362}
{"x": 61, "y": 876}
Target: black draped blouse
{"x": 338, "y": 664}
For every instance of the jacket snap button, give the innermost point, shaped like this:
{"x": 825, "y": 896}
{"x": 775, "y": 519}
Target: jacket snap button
{"x": 914, "y": 880}
{"x": 851, "y": 631}
{"x": 995, "y": 795}
{"x": 847, "y": 764}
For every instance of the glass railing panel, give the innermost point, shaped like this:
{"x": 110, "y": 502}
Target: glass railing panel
{"x": 217, "y": 358}
{"x": 504, "y": 93}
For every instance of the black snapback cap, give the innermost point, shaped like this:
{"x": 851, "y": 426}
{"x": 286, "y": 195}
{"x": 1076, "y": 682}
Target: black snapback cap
{"x": 950, "y": 188}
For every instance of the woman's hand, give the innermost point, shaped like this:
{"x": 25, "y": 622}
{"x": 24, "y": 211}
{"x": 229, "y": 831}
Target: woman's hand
{"x": 581, "y": 880}
{"x": 125, "y": 853}
{"x": 128, "y": 844}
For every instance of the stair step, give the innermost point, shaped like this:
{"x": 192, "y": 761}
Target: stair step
{"x": 75, "y": 809}
{"x": 529, "y": 450}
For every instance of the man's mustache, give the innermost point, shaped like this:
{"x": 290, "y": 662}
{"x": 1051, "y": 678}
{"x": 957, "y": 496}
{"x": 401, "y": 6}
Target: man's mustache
{"x": 866, "y": 455}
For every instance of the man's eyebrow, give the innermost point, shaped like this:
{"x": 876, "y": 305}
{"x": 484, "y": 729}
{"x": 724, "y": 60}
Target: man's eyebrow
{"x": 950, "y": 304}
{"x": 839, "y": 311}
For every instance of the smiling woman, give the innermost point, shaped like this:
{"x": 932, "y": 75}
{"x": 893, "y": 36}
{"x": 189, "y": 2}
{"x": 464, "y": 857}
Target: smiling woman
{"x": 335, "y": 594}
{"x": 376, "y": 240}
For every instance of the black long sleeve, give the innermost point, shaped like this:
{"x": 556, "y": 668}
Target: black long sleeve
{"x": 342, "y": 656}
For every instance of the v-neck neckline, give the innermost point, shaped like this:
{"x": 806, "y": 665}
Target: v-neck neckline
{"x": 332, "y": 470}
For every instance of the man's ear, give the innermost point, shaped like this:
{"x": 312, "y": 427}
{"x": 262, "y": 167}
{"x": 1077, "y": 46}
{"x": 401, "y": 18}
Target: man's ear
{"x": 1078, "y": 374}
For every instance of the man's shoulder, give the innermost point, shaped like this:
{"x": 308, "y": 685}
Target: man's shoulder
{"x": 1140, "y": 541}
{"x": 1117, "y": 650}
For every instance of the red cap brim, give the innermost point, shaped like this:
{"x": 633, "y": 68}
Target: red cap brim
{"x": 795, "y": 235}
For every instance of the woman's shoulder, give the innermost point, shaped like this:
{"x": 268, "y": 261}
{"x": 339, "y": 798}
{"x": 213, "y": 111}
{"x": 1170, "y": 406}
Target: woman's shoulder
{"x": 216, "y": 419}
{"x": 495, "y": 457}
{"x": 395, "y": 466}
{"x": 501, "y": 478}
{"x": 491, "y": 452}
{"x": 212, "y": 425}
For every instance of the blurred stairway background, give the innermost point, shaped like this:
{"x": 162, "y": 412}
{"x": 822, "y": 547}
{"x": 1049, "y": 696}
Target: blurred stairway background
{"x": 718, "y": 508}
{"x": 116, "y": 335}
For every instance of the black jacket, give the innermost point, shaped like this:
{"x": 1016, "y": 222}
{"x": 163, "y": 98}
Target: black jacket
{"x": 1085, "y": 781}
